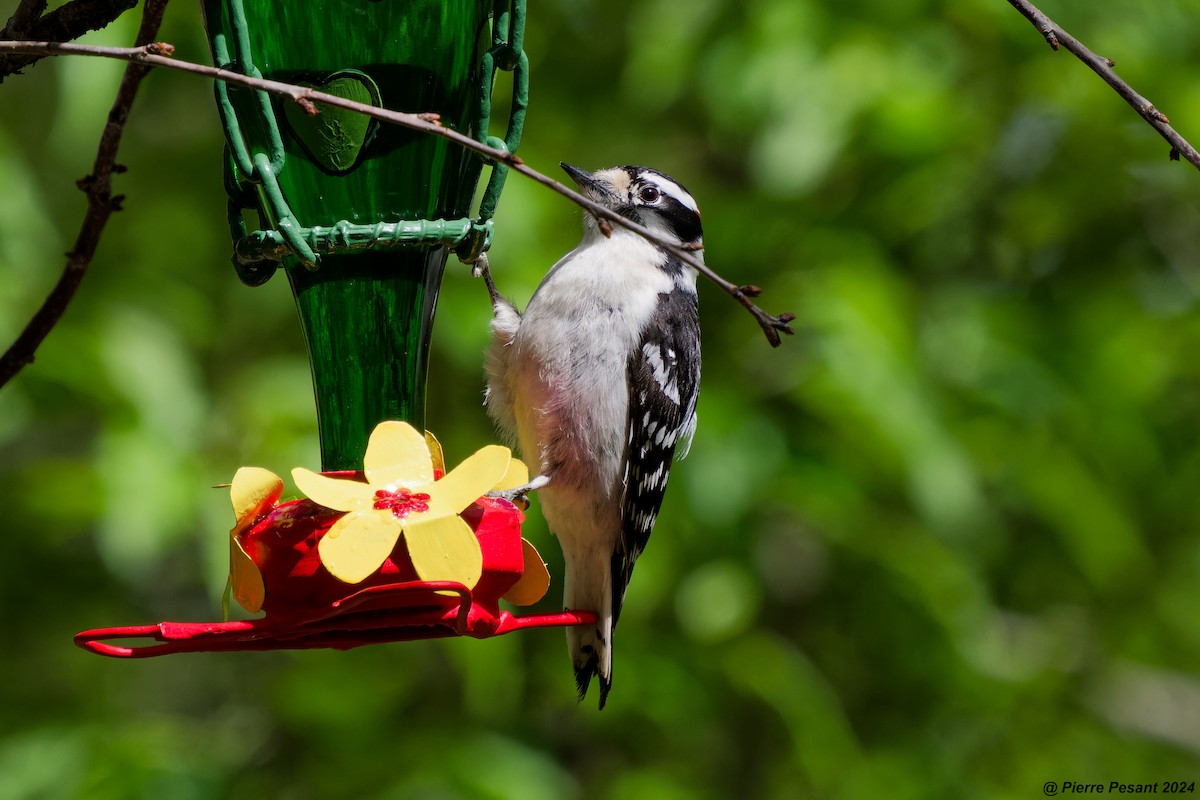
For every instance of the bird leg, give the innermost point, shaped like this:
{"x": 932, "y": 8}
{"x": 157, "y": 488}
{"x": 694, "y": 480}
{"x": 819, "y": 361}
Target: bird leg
{"x": 481, "y": 269}
{"x": 518, "y": 494}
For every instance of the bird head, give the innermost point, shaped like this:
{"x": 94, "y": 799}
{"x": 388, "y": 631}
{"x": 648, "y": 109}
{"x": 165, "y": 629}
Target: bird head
{"x": 645, "y": 196}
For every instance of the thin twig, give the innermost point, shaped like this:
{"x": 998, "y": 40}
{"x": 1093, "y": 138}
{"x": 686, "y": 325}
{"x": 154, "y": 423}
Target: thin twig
{"x": 772, "y": 325}
{"x": 61, "y": 25}
{"x": 101, "y": 204}
{"x": 1103, "y": 67}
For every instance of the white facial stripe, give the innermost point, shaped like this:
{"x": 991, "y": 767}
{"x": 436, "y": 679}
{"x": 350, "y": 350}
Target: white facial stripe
{"x": 671, "y": 189}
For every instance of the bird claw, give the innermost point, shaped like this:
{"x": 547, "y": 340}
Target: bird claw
{"x": 517, "y": 495}
{"x": 481, "y": 269}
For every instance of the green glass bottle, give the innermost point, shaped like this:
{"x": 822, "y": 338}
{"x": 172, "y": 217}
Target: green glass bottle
{"x": 366, "y": 315}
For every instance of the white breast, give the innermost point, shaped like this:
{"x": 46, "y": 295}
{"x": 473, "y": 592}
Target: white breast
{"x": 571, "y": 356}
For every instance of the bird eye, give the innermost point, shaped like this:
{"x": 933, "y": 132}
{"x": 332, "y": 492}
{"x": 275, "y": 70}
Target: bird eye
{"x": 649, "y": 194}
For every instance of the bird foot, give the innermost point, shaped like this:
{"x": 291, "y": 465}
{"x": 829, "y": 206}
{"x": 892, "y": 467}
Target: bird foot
{"x": 481, "y": 269}
{"x": 518, "y": 494}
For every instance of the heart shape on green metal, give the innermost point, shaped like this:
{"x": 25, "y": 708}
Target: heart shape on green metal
{"x": 335, "y": 138}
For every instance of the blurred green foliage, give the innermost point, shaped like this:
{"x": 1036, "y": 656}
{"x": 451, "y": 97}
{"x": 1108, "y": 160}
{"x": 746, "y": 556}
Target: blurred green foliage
{"x": 941, "y": 544}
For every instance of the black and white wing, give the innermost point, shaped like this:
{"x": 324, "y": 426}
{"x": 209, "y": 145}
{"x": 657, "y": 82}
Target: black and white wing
{"x": 664, "y": 382}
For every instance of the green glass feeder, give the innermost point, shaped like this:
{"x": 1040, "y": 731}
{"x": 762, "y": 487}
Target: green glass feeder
{"x": 361, "y": 215}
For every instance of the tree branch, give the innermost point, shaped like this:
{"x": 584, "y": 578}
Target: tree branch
{"x": 61, "y": 25}
{"x": 101, "y": 204}
{"x": 21, "y": 22}
{"x": 151, "y": 55}
{"x": 1103, "y": 67}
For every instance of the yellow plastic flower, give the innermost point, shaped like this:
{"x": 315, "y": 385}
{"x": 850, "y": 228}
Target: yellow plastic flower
{"x": 400, "y": 496}
{"x": 254, "y": 492}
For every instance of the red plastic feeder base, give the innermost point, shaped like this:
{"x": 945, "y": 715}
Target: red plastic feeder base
{"x": 308, "y": 608}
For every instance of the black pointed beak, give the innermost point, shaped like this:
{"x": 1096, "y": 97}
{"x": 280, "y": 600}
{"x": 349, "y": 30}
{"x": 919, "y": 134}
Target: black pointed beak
{"x": 596, "y": 190}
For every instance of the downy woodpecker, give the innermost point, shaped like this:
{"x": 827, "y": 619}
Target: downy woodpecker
{"x": 597, "y": 384}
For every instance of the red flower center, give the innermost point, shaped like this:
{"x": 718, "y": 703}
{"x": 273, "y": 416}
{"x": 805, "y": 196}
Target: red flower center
{"x": 401, "y": 502}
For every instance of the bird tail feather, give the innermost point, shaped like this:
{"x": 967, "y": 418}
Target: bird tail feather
{"x": 591, "y": 645}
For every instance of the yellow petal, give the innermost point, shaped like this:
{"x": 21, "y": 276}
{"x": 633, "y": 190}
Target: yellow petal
{"x": 358, "y": 544}
{"x": 469, "y": 481}
{"x": 340, "y": 494}
{"x": 397, "y": 454}
{"x": 534, "y": 582}
{"x": 516, "y": 475}
{"x": 444, "y": 549}
{"x": 245, "y": 578}
{"x": 253, "y": 491}
{"x": 435, "y": 451}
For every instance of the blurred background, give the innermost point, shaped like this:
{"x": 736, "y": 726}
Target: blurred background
{"x": 940, "y": 544}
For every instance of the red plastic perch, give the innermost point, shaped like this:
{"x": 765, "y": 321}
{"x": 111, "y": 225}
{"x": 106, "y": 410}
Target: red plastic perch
{"x": 346, "y": 625}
